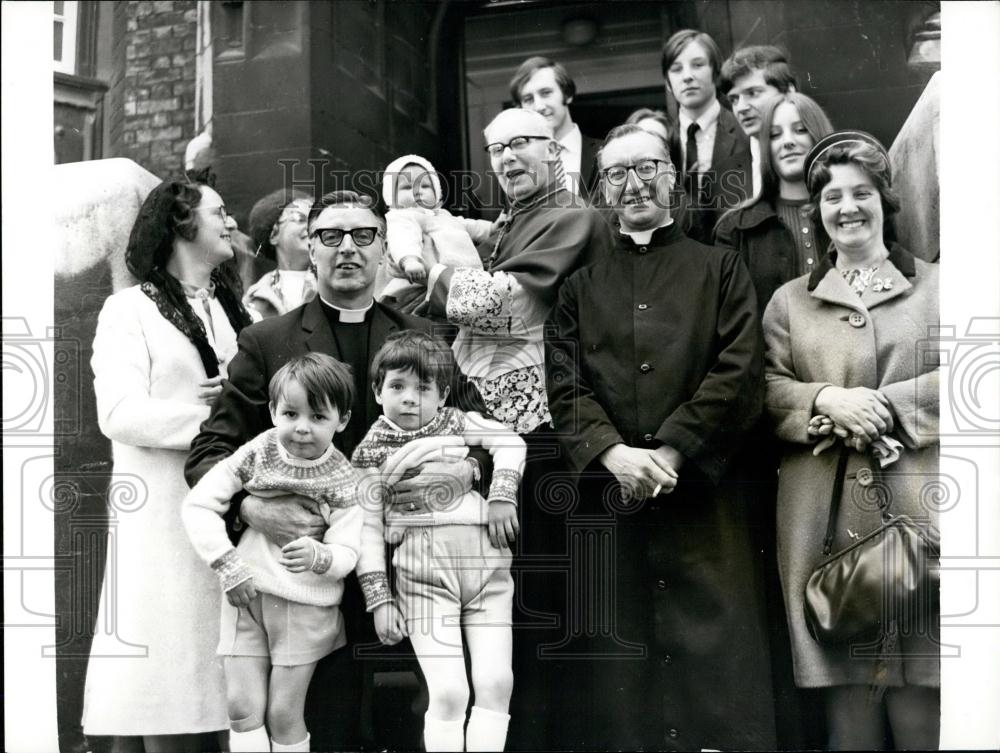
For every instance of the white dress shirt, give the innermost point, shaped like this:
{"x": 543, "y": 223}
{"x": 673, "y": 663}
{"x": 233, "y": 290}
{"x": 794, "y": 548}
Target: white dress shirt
{"x": 755, "y": 164}
{"x": 704, "y": 138}
{"x": 571, "y": 151}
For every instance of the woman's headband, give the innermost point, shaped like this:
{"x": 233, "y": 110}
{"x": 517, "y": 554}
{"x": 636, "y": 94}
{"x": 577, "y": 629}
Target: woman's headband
{"x": 837, "y": 138}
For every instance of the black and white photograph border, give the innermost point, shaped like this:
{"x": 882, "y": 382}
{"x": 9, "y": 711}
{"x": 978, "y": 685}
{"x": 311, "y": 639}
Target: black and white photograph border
{"x": 969, "y": 341}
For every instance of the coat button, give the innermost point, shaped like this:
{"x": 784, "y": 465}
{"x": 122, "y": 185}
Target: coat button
{"x": 674, "y": 734}
{"x": 661, "y": 585}
{"x": 668, "y": 659}
{"x": 648, "y": 437}
{"x": 805, "y": 231}
{"x": 643, "y": 249}
{"x": 809, "y": 260}
{"x": 642, "y": 307}
{"x": 856, "y": 320}
{"x": 645, "y": 368}
{"x": 865, "y": 477}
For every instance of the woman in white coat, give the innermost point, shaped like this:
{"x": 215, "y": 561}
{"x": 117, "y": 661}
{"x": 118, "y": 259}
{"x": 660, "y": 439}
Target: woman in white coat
{"x": 160, "y": 355}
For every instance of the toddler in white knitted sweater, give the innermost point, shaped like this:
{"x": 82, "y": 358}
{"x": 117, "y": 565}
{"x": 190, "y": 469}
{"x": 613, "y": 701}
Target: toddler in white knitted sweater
{"x": 282, "y": 614}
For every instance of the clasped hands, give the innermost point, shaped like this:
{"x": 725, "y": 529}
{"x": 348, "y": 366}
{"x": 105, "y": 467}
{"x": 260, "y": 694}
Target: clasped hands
{"x": 858, "y": 415}
{"x": 643, "y": 473}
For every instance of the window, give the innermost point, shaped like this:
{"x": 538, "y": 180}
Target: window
{"x": 64, "y": 35}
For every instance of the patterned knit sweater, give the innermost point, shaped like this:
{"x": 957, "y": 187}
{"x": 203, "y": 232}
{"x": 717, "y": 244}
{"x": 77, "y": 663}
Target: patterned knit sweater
{"x": 385, "y": 524}
{"x": 264, "y": 468}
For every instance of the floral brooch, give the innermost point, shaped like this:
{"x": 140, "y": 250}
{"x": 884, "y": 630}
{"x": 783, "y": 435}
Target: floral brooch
{"x": 881, "y": 283}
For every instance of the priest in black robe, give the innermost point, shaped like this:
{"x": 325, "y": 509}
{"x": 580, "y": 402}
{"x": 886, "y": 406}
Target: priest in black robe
{"x": 654, "y": 375}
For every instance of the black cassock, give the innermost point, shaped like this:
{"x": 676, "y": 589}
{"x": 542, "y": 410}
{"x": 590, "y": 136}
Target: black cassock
{"x": 660, "y": 344}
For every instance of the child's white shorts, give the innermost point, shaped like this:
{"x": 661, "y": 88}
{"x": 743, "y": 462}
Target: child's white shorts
{"x": 288, "y": 632}
{"x": 453, "y": 573}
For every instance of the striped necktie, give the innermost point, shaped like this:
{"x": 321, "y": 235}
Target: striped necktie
{"x": 559, "y": 168}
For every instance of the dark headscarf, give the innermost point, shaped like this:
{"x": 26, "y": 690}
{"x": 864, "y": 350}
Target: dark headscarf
{"x": 168, "y": 213}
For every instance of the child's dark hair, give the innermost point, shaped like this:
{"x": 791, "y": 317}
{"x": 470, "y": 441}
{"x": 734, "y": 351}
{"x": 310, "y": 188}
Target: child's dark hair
{"x": 412, "y": 350}
{"x": 323, "y": 377}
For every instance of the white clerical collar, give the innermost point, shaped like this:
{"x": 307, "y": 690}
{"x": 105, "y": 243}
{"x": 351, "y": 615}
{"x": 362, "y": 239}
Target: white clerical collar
{"x": 642, "y": 237}
{"x": 349, "y": 316}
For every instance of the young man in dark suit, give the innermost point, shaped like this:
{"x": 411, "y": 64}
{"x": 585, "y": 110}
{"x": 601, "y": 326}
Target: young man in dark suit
{"x": 346, "y": 240}
{"x": 711, "y": 151}
{"x": 543, "y": 85}
{"x": 750, "y": 77}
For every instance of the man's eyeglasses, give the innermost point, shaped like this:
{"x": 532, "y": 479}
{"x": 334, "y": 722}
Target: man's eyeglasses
{"x": 516, "y": 144}
{"x": 334, "y": 236}
{"x": 646, "y": 169}
{"x": 219, "y": 210}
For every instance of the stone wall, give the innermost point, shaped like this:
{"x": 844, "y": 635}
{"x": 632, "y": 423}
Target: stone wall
{"x": 157, "y": 89}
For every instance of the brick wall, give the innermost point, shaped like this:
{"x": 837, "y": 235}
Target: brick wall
{"x": 158, "y": 84}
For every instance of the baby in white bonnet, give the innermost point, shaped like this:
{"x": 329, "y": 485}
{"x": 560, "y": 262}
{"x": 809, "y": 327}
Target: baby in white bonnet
{"x": 421, "y": 233}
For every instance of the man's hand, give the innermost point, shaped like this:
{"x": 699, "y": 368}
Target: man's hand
{"x": 438, "y": 486}
{"x": 670, "y": 462}
{"x": 389, "y": 624}
{"x": 498, "y": 222}
{"x": 285, "y": 518}
{"x": 209, "y": 389}
{"x": 502, "y": 523}
{"x": 636, "y": 470}
{"x": 242, "y": 594}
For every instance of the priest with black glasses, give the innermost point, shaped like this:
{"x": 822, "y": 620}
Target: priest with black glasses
{"x": 346, "y": 240}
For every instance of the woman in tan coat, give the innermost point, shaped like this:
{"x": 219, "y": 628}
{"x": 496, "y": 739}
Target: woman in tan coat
{"x": 849, "y": 360}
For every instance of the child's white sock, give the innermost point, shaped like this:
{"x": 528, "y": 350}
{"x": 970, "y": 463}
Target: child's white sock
{"x": 487, "y": 730}
{"x": 302, "y": 746}
{"x": 443, "y": 737}
{"x": 248, "y": 736}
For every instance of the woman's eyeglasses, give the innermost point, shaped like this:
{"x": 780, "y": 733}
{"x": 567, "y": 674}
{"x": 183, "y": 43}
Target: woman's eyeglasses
{"x": 219, "y": 210}
{"x": 334, "y": 236}
{"x": 646, "y": 169}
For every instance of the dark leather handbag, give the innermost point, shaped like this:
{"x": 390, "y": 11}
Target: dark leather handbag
{"x": 889, "y": 575}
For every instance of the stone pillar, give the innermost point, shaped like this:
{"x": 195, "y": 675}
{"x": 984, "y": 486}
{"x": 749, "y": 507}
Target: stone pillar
{"x": 312, "y": 93}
